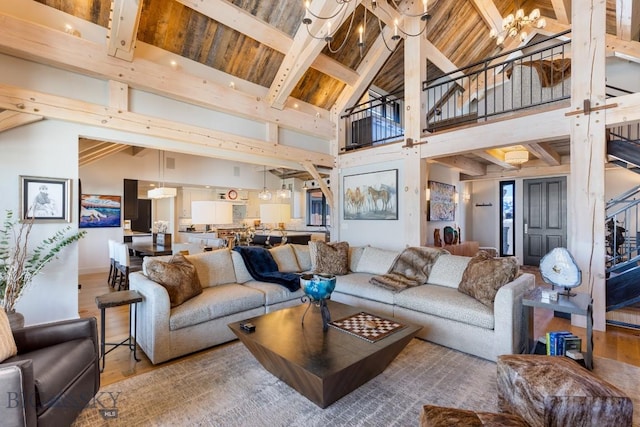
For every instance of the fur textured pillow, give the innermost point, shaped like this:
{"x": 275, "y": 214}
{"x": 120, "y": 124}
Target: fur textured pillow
{"x": 332, "y": 258}
{"x": 178, "y": 276}
{"x": 485, "y": 275}
{"x": 7, "y": 343}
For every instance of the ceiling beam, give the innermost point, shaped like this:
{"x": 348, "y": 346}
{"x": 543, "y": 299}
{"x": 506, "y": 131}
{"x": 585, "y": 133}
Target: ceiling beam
{"x": 123, "y": 28}
{"x": 243, "y": 22}
{"x": 216, "y": 143}
{"x": 463, "y": 164}
{"x": 328, "y": 194}
{"x": 562, "y": 9}
{"x": 628, "y": 19}
{"x": 489, "y": 12}
{"x": 304, "y": 51}
{"x": 25, "y": 39}
{"x": 545, "y": 153}
{"x": 13, "y": 119}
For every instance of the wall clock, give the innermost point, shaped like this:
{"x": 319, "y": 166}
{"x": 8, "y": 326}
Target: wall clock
{"x": 232, "y": 194}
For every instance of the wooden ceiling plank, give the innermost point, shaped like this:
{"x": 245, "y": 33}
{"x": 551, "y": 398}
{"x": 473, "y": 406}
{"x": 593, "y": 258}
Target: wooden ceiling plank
{"x": 123, "y": 28}
{"x": 463, "y": 164}
{"x": 71, "y": 110}
{"x": 304, "y": 50}
{"x": 13, "y": 119}
{"x": 562, "y": 8}
{"x": 242, "y": 21}
{"x": 545, "y": 153}
{"x": 93, "y": 157}
{"x": 628, "y": 19}
{"x": 31, "y": 41}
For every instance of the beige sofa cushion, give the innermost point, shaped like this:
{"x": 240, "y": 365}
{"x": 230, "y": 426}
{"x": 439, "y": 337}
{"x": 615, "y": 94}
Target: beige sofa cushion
{"x": 448, "y": 270}
{"x": 303, "y": 255}
{"x": 242, "y": 274}
{"x": 214, "y": 267}
{"x": 376, "y": 260}
{"x": 355, "y": 253}
{"x": 285, "y": 257}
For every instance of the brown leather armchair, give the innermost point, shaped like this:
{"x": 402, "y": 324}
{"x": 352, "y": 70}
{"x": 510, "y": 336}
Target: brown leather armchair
{"x": 54, "y": 375}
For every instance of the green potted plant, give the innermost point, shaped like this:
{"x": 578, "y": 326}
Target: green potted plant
{"x": 19, "y": 265}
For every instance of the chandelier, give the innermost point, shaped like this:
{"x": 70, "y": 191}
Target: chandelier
{"x": 329, "y": 30}
{"x": 513, "y": 26}
{"x": 516, "y": 157}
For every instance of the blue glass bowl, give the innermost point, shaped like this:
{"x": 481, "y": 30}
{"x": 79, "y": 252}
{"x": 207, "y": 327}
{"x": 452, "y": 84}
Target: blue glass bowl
{"x": 318, "y": 287}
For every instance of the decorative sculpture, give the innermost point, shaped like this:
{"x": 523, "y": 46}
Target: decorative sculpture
{"x": 437, "y": 241}
{"x": 558, "y": 268}
{"x": 317, "y": 289}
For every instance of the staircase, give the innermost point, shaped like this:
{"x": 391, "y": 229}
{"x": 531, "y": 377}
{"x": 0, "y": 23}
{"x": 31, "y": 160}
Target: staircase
{"x": 623, "y": 233}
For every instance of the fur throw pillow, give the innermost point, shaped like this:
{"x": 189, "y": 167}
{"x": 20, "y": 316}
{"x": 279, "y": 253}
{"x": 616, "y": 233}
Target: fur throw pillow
{"x": 178, "y": 276}
{"x": 332, "y": 258}
{"x": 485, "y": 275}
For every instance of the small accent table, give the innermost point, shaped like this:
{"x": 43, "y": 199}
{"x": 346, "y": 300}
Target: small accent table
{"x": 580, "y": 303}
{"x": 116, "y": 299}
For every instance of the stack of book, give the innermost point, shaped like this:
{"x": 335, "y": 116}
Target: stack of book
{"x": 563, "y": 343}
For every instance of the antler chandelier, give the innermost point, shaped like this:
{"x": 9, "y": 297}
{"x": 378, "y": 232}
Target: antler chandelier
{"x": 329, "y": 30}
{"x": 513, "y": 26}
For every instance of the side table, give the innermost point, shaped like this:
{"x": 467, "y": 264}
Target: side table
{"x": 116, "y": 299}
{"x": 580, "y": 303}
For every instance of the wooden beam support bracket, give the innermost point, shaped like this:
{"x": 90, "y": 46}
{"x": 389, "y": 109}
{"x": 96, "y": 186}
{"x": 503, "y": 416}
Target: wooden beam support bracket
{"x": 411, "y": 144}
{"x": 587, "y": 109}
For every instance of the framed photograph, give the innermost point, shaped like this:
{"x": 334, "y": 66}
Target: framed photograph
{"x": 45, "y": 199}
{"x": 441, "y": 205}
{"x": 371, "y": 195}
{"x": 100, "y": 211}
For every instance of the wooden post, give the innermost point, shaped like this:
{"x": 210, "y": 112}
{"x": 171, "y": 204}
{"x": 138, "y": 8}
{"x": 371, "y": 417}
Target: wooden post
{"x": 586, "y": 210}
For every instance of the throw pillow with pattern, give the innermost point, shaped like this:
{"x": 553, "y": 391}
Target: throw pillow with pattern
{"x": 332, "y": 258}
{"x": 485, "y": 275}
{"x": 7, "y": 343}
{"x": 178, "y": 276}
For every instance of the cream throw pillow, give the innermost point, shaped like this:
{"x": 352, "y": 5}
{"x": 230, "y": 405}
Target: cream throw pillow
{"x": 7, "y": 343}
{"x": 285, "y": 257}
{"x": 376, "y": 260}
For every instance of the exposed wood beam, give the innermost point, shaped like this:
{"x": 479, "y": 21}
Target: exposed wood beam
{"x": 309, "y": 167}
{"x": 99, "y": 151}
{"x": 463, "y": 164}
{"x": 545, "y": 153}
{"x": 628, "y": 19}
{"x": 562, "y": 9}
{"x": 123, "y": 28}
{"x": 12, "y": 119}
{"x": 533, "y": 168}
{"x": 303, "y": 52}
{"x": 225, "y": 145}
{"x": 31, "y": 41}
{"x": 489, "y": 12}
{"x": 118, "y": 96}
{"x": 495, "y": 156}
{"x": 242, "y": 21}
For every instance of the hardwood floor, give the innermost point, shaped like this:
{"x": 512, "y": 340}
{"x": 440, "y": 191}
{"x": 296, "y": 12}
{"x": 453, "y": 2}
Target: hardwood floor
{"x": 616, "y": 343}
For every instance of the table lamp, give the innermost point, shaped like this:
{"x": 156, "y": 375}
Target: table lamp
{"x": 210, "y": 212}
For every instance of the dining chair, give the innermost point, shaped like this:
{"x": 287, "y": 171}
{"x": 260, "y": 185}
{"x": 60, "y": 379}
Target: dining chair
{"x": 113, "y": 268}
{"x": 124, "y": 265}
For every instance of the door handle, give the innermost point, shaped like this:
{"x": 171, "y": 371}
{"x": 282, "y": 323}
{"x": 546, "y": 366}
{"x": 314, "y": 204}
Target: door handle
{"x": 526, "y": 228}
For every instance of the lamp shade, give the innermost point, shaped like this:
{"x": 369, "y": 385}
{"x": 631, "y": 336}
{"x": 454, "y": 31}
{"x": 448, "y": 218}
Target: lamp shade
{"x": 211, "y": 212}
{"x": 275, "y": 213}
{"x": 162, "y": 193}
{"x": 516, "y": 157}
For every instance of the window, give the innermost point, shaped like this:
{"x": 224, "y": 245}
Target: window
{"x": 318, "y": 212}
{"x": 507, "y": 209}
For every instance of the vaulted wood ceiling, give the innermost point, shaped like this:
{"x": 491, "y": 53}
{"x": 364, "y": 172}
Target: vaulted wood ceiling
{"x": 257, "y": 43}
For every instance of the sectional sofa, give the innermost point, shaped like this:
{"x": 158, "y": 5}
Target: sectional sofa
{"x": 229, "y": 293}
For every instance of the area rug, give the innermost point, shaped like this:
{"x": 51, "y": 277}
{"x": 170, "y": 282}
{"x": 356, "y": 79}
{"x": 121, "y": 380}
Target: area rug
{"x": 228, "y": 387}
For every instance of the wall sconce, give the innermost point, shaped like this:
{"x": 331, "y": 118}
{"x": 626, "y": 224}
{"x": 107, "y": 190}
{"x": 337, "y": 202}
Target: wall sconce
{"x": 466, "y": 196}
{"x": 456, "y": 198}
{"x": 427, "y": 194}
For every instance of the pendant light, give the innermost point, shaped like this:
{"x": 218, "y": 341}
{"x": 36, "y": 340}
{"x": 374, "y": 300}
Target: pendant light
{"x": 284, "y": 192}
{"x": 161, "y": 192}
{"x": 264, "y": 194}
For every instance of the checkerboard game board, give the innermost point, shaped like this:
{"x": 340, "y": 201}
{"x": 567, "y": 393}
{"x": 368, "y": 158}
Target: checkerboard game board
{"x": 367, "y": 326}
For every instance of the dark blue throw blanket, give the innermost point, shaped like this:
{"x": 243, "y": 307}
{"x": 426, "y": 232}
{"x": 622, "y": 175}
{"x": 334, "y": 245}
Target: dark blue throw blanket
{"x": 263, "y": 267}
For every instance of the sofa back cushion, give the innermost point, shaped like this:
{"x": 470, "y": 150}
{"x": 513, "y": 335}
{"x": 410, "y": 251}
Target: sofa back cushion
{"x": 303, "y": 255}
{"x": 376, "y": 260}
{"x": 242, "y": 274}
{"x": 448, "y": 270}
{"x": 355, "y": 253}
{"x": 285, "y": 257}
{"x": 214, "y": 267}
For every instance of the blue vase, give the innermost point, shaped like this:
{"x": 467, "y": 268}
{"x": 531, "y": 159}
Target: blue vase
{"x": 318, "y": 287}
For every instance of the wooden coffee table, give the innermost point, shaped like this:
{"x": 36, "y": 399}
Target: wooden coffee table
{"x": 322, "y": 366}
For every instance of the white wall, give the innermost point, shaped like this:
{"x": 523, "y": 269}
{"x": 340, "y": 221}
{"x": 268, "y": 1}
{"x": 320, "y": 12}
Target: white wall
{"x": 44, "y": 149}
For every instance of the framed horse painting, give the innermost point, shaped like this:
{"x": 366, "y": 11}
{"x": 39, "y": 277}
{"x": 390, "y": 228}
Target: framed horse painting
{"x": 372, "y": 195}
